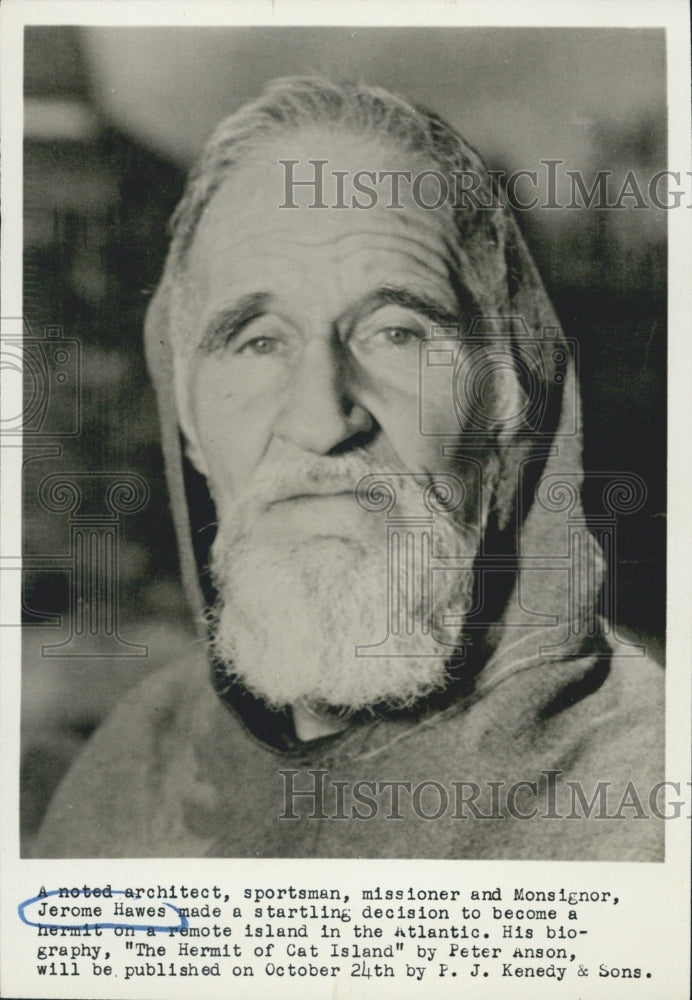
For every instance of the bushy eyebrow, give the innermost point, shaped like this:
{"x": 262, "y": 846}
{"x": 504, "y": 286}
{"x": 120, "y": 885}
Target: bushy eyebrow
{"x": 227, "y": 323}
{"x": 432, "y": 309}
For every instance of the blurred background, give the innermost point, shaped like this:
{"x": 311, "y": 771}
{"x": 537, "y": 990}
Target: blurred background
{"x": 113, "y": 119}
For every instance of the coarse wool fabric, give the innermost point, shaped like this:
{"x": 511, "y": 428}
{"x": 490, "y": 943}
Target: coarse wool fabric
{"x": 545, "y": 745}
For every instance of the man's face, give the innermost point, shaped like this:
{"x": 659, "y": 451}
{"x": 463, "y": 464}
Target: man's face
{"x": 310, "y": 322}
{"x": 305, "y": 376}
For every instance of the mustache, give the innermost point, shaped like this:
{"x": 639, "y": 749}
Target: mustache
{"x": 297, "y": 474}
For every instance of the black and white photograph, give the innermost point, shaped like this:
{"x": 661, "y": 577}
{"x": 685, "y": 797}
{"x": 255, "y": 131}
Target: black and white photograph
{"x": 345, "y": 464}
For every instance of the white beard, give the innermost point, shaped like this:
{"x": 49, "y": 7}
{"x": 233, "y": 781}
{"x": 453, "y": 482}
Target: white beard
{"x": 290, "y": 616}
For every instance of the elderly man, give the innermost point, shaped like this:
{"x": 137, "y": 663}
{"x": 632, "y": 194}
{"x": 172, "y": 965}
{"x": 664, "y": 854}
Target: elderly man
{"x": 371, "y": 428}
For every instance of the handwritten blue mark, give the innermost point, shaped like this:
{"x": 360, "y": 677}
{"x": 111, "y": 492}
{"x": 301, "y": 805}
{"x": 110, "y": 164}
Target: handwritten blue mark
{"x": 167, "y": 928}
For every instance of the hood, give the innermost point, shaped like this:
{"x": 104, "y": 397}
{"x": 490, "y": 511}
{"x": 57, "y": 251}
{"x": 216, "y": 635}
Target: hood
{"x": 538, "y": 572}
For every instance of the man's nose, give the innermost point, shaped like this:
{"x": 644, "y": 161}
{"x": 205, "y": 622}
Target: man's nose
{"x": 322, "y": 413}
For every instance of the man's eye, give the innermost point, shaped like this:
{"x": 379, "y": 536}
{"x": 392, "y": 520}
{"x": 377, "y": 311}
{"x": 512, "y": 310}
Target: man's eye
{"x": 259, "y": 345}
{"x": 399, "y": 336}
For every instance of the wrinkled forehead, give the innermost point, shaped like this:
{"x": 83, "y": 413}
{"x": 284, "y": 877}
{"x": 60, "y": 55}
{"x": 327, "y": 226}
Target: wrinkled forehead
{"x": 317, "y": 198}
